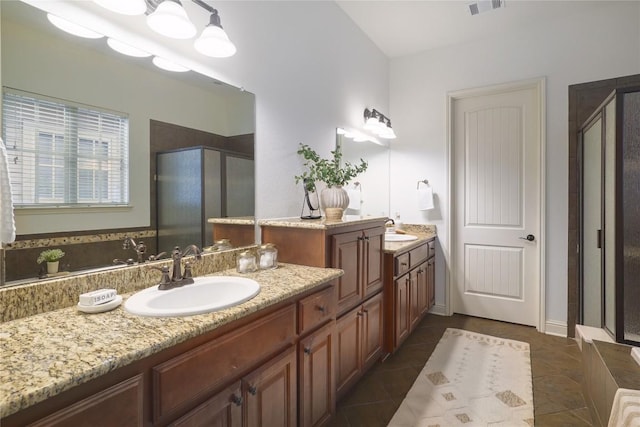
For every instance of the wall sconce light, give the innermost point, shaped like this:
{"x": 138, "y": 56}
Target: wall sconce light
{"x": 169, "y": 18}
{"x": 378, "y": 123}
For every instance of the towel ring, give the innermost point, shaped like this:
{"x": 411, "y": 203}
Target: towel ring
{"x": 424, "y": 181}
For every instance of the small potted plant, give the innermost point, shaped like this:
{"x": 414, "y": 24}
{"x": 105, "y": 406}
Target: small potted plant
{"x": 52, "y": 258}
{"x": 334, "y": 173}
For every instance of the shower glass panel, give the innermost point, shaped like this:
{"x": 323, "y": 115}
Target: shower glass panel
{"x": 610, "y": 217}
{"x": 630, "y": 215}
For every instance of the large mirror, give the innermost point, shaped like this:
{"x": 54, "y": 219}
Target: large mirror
{"x": 38, "y": 58}
{"x": 369, "y": 192}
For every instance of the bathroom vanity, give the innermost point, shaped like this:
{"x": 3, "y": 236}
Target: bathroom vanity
{"x": 409, "y": 286}
{"x": 355, "y": 246}
{"x": 267, "y": 361}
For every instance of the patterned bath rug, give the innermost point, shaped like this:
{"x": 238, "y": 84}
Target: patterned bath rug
{"x": 471, "y": 380}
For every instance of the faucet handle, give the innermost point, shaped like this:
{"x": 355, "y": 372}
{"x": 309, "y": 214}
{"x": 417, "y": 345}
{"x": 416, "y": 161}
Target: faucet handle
{"x": 187, "y": 271}
{"x": 166, "y": 280}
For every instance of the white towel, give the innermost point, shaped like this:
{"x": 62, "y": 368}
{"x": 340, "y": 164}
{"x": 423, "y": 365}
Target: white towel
{"x": 626, "y": 409}
{"x": 354, "y": 198}
{"x": 7, "y": 221}
{"x": 425, "y": 198}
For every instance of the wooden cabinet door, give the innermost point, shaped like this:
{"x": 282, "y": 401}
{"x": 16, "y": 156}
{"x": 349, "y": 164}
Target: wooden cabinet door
{"x": 431, "y": 282}
{"x": 348, "y": 349}
{"x": 316, "y": 377}
{"x": 270, "y": 393}
{"x": 120, "y": 404}
{"x": 222, "y": 410}
{"x": 414, "y": 300}
{"x": 372, "y": 253}
{"x": 372, "y": 327}
{"x": 401, "y": 314}
{"x": 423, "y": 288}
{"x": 346, "y": 256}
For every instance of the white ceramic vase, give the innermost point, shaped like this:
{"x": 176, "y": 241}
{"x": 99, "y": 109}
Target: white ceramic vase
{"x": 334, "y": 201}
{"x": 52, "y": 267}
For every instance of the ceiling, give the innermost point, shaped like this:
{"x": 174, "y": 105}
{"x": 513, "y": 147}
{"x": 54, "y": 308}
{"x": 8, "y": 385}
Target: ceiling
{"x": 400, "y": 27}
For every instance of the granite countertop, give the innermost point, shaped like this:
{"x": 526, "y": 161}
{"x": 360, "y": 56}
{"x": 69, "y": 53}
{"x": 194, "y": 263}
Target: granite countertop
{"x": 48, "y": 353}
{"x": 248, "y": 220}
{"x": 320, "y": 224}
{"x": 423, "y": 232}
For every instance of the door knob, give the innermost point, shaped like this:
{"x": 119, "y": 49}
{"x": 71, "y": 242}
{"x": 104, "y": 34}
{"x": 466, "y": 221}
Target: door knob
{"x": 530, "y": 237}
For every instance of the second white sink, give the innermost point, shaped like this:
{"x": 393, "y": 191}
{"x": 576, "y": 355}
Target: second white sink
{"x": 393, "y": 237}
{"x": 205, "y": 295}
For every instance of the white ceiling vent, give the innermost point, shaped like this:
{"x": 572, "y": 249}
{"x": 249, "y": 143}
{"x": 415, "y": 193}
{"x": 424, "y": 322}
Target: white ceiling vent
{"x": 485, "y": 5}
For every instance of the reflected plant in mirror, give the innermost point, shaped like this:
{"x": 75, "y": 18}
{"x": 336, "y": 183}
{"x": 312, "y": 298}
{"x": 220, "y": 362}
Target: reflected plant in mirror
{"x": 166, "y": 111}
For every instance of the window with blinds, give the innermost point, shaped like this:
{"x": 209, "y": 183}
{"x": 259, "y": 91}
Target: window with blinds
{"x": 64, "y": 154}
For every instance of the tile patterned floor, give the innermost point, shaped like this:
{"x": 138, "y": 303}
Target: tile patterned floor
{"x": 555, "y": 362}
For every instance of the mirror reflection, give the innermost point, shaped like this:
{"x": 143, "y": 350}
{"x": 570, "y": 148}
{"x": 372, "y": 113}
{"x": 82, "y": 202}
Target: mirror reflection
{"x": 167, "y": 111}
{"x": 369, "y": 193}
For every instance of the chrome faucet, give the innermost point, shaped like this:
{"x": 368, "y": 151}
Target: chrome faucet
{"x": 139, "y": 247}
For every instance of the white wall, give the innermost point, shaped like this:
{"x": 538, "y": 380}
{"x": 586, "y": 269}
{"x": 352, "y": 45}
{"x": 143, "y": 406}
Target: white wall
{"x": 311, "y": 70}
{"x": 601, "y": 40}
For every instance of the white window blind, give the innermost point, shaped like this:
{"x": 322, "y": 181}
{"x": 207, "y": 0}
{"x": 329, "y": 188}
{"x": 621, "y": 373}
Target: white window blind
{"x": 64, "y": 154}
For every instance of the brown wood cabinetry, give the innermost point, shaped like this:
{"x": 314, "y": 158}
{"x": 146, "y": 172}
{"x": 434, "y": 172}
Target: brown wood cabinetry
{"x": 121, "y": 404}
{"x": 357, "y": 250}
{"x": 223, "y": 410}
{"x": 359, "y": 342}
{"x": 317, "y": 377}
{"x": 409, "y": 291}
{"x": 354, "y": 248}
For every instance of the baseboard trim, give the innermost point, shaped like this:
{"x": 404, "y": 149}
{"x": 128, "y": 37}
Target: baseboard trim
{"x": 554, "y": 327}
{"x": 440, "y": 310}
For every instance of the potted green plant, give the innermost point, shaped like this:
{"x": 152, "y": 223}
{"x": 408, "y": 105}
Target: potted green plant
{"x": 334, "y": 173}
{"x": 52, "y": 258}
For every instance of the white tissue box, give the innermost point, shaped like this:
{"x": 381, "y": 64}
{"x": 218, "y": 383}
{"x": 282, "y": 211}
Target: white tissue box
{"x": 100, "y": 296}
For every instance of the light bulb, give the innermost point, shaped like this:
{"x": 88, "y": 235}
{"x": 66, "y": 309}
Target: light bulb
{"x": 124, "y": 7}
{"x": 171, "y": 20}
{"x": 73, "y": 28}
{"x": 168, "y": 65}
{"x": 126, "y": 49}
{"x": 214, "y": 42}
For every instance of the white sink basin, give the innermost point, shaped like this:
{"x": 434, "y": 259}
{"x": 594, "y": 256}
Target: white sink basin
{"x": 207, "y": 294}
{"x": 392, "y": 237}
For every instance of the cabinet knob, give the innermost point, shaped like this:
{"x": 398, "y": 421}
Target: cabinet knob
{"x": 404, "y": 264}
{"x": 360, "y": 313}
{"x": 321, "y": 308}
{"x": 366, "y": 238}
{"x": 237, "y": 400}
{"x": 253, "y": 390}
{"x": 307, "y": 350}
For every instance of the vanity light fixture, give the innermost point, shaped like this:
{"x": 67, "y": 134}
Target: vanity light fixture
{"x": 124, "y": 7}
{"x": 72, "y": 28}
{"x": 378, "y": 123}
{"x": 214, "y": 41}
{"x": 168, "y": 65}
{"x": 171, "y": 20}
{"x": 126, "y": 49}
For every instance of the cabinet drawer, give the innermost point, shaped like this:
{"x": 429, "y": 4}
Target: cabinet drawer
{"x": 184, "y": 378}
{"x": 401, "y": 264}
{"x": 432, "y": 248}
{"x": 316, "y": 309}
{"x": 120, "y": 404}
{"x": 419, "y": 254}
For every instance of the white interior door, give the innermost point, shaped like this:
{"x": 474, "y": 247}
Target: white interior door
{"x": 496, "y": 205}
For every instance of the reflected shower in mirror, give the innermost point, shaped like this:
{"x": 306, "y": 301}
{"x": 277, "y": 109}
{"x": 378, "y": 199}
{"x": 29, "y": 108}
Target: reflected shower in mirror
{"x": 369, "y": 193}
{"x": 40, "y": 59}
